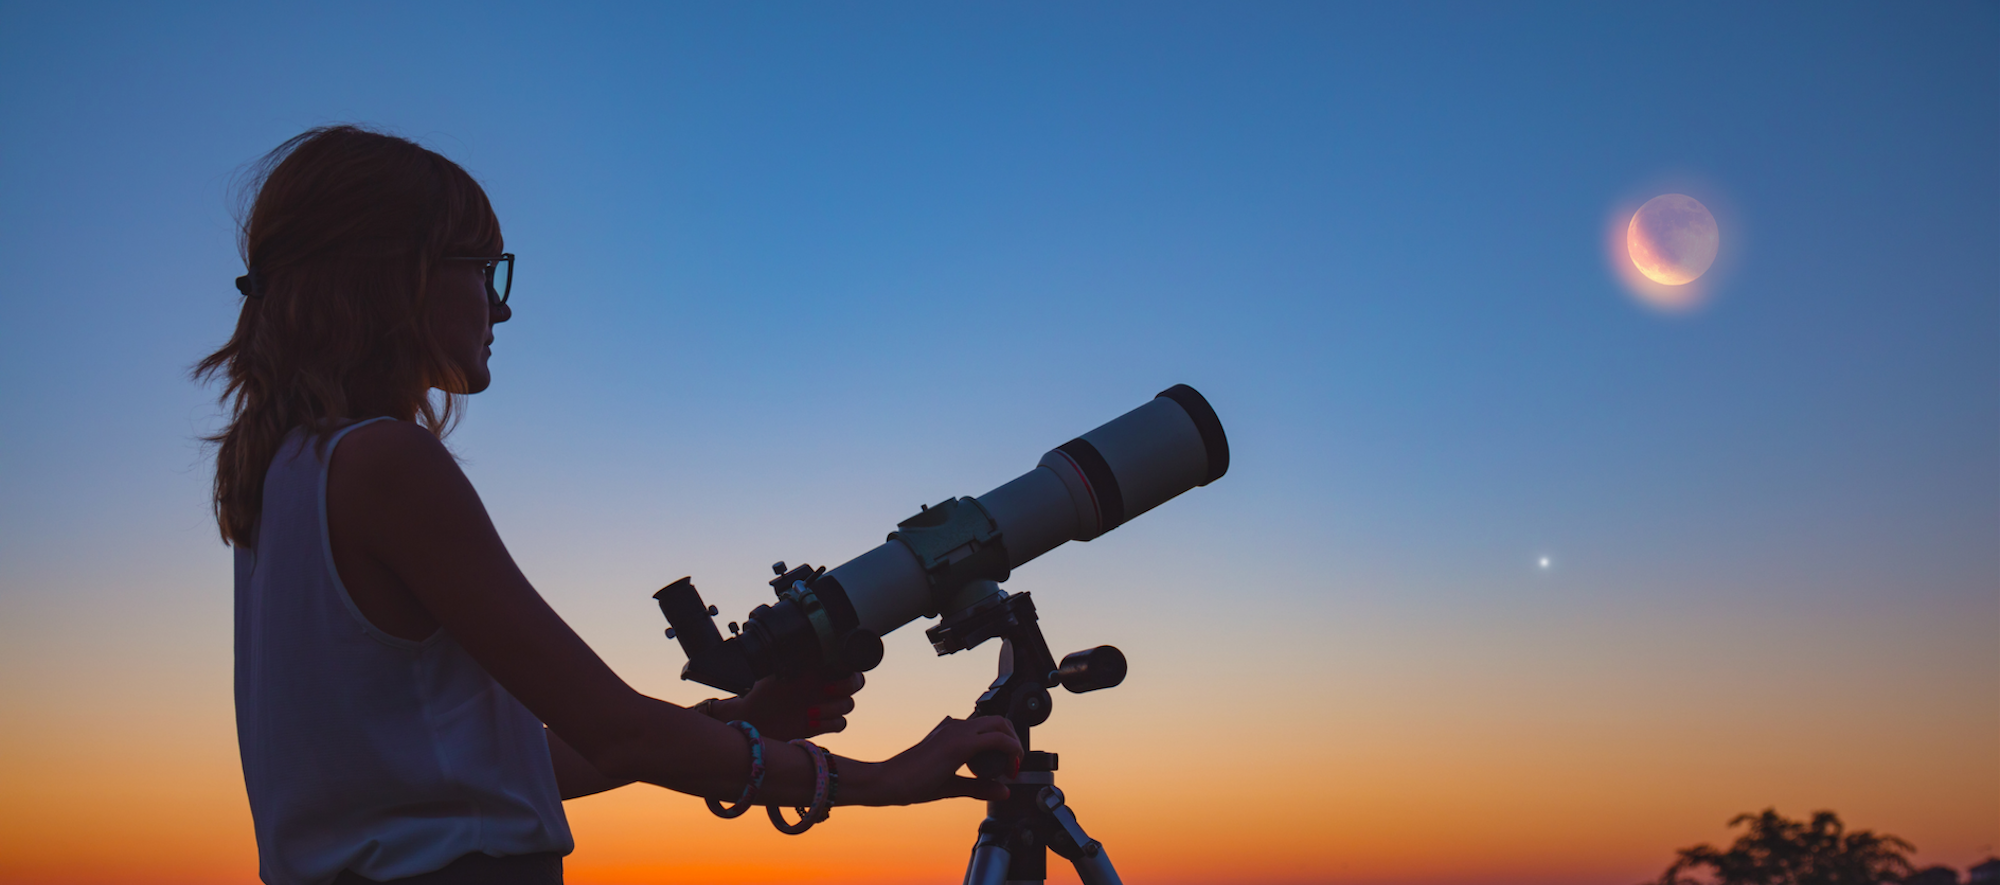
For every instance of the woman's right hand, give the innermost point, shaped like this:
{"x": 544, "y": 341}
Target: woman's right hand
{"x": 929, "y": 770}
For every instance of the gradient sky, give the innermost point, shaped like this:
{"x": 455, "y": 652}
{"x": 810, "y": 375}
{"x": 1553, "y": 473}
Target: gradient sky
{"x": 789, "y": 270}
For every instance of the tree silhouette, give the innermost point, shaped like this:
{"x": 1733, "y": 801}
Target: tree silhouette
{"x": 1932, "y": 876}
{"x": 1779, "y": 851}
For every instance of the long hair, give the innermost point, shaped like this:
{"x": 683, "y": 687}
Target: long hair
{"x": 343, "y": 229}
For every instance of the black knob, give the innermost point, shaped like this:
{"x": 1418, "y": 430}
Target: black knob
{"x": 1030, "y": 708}
{"x": 1100, "y": 667}
{"x": 989, "y": 764}
{"x": 860, "y": 650}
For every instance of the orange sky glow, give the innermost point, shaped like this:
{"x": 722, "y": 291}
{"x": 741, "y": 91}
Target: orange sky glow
{"x": 1447, "y": 774}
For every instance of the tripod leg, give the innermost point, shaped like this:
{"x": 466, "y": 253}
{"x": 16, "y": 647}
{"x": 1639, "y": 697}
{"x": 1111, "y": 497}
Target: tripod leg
{"x": 990, "y": 857}
{"x": 1096, "y": 869}
{"x": 1093, "y": 864}
{"x": 988, "y": 866}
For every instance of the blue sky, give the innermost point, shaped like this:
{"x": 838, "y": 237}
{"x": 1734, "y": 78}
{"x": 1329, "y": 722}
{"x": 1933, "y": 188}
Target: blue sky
{"x": 787, "y": 271}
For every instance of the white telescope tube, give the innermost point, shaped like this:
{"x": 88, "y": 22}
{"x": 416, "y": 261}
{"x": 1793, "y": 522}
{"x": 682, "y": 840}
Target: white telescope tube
{"x": 1080, "y": 490}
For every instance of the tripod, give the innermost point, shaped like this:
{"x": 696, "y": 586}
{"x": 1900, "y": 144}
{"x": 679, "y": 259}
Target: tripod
{"x": 1020, "y": 830}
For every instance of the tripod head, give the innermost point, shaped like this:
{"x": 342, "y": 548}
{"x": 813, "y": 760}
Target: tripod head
{"x": 1027, "y": 669}
{"x": 1035, "y": 817}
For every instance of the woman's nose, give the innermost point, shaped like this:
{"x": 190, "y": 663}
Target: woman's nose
{"x": 500, "y": 313}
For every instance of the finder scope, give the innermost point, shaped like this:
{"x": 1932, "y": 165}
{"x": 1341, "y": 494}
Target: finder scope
{"x": 946, "y": 561}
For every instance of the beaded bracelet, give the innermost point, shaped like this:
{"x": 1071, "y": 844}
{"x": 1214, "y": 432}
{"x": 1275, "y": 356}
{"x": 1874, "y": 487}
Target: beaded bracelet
{"x": 832, "y": 786}
{"x": 822, "y": 801}
{"x": 756, "y": 781}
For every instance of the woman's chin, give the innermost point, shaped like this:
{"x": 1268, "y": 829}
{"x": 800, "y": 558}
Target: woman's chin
{"x": 469, "y": 384}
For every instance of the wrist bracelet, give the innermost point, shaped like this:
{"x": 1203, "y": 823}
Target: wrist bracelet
{"x": 756, "y": 781}
{"x": 822, "y": 798}
{"x": 832, "y": 786}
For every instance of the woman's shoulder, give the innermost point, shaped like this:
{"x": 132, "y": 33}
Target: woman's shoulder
{"x": 392, "y": 488}
{"x": 385, "y": 431}
{"x": 390, "y": 452}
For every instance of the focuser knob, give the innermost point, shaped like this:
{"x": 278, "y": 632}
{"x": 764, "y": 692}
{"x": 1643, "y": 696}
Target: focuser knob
{"x": 786, "y": 577}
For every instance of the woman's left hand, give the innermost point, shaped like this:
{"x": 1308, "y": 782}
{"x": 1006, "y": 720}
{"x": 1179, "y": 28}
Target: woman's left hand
{"x": 794, "y": 707}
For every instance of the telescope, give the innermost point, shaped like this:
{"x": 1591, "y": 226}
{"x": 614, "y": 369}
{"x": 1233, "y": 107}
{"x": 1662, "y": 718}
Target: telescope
{"x": 948, "y": 559}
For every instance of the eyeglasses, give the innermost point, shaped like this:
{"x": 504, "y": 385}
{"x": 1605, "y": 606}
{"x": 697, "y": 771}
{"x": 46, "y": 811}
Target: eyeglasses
{"x": 499, "y": 275}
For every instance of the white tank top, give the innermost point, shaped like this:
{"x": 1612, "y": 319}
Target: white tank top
{"x": 362, "y": 751}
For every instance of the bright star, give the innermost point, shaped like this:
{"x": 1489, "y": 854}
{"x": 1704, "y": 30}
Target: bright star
{"x": 1545, "y": 562}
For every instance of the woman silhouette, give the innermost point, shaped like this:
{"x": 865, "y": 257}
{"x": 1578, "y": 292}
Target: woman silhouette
{"x": 408, "y": 707}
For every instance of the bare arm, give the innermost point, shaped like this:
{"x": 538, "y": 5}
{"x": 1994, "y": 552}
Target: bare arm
{"x": 414, "y": 531}
{"x": 575, "y": 776}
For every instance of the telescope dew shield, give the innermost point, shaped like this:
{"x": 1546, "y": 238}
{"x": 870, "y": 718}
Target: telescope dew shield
{"x": 1129, "y": 465}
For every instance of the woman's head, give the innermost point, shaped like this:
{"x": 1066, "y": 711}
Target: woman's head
{"x": 354, "y": 309}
